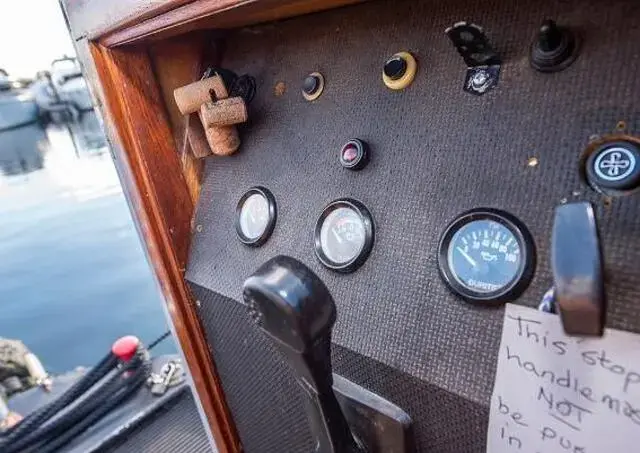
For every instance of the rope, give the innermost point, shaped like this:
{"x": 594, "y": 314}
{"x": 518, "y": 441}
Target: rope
{"x": 158, "y": 340}
{"x": 43, "y": 414}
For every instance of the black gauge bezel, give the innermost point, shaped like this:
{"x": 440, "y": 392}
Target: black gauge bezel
{"x": 527, "y": 264}
{"x": 369, "y": 235}
{"x": 271, "y": 223}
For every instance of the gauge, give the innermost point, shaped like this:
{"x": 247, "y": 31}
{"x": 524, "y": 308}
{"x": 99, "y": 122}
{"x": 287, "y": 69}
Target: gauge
{"x": 255, "y": 216}
{"x": 344, "y": 235}
{"x": 486, "y": 255}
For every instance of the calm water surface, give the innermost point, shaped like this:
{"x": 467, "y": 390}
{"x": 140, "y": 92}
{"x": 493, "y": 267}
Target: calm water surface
{"x": 73, "y": 276}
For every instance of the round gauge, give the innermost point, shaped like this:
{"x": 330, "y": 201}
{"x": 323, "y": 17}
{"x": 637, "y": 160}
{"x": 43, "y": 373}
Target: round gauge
{"x": 255, "y": 216}
{"x": 344, "y": 235}
{"x": 486, "y": 255}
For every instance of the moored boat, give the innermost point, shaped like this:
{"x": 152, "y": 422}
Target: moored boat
{"x": 63, "y": 97}
{"x": 22, "y": 136}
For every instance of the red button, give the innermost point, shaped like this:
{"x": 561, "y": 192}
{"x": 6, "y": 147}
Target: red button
{"x": 349, "y": 154}
{"x": 125, "y": 347}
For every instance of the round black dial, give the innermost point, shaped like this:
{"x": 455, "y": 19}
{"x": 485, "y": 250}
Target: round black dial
{"x": 344, "y": 235}
{"x": 255, "y": 216}
{"x": 486, "y": 255}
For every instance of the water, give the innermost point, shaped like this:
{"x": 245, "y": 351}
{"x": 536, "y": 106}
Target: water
{"x": 73, "y": 275}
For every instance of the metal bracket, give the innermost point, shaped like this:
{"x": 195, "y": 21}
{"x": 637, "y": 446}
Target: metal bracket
{"x": 377, "y": 424}
{"x": 170, "y": 375}
{"x": 481, "y": 79}
{"x": 483, "y": 62}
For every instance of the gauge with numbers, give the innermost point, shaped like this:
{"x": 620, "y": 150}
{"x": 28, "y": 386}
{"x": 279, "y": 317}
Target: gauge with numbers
{"x": 486, "y": 255}
{"x": 344, "y": 235}
{"x": 255, "y": 216}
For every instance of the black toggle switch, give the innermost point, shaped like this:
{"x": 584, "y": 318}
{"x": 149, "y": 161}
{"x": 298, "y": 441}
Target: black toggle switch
{"x": 578, "y": 274}
{"x": 294, "y": 308}
{"x": 550, "y": 37}
{"x": 554, "y": 48}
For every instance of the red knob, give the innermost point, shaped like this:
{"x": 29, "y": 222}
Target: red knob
{"x": 125, "y": 347}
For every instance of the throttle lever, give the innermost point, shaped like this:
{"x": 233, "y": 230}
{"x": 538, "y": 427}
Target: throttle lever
{"x": 577, "y": 267}
{"x": 294, "y": 309}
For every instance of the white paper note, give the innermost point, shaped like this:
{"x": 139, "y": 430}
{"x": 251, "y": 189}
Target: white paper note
{"x": 559, "y": 394}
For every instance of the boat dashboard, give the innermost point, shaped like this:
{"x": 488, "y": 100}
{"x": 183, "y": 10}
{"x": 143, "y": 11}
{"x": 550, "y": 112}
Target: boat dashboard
{"x": 389, "y": 211}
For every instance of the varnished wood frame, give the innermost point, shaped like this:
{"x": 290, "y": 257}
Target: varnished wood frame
{"x": 132, "y": 76}
{"x": 161, "y": 186}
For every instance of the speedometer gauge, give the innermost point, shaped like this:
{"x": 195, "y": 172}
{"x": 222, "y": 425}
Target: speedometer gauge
{"x": 486, "y": 255}
{"x": 344, "y": 235}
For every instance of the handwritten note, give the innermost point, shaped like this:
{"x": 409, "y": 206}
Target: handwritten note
{"x": 559, "y": 394}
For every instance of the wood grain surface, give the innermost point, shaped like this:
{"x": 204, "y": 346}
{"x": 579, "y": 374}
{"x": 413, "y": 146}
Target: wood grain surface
{"x": 152, "y": 175}
{"x": 176, "y": 63}
{"x": 127, "y": 21}
{"x": 92, "y": 18}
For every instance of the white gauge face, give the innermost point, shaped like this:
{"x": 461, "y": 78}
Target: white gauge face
{"x": 254, "y": 216}
{"x": 342, "y": 235}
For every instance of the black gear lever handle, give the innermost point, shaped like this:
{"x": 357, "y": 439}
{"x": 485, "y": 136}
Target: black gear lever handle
{"x": 294, "y": 308}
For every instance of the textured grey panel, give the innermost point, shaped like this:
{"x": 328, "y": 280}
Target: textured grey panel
{"x": 259, "y": 388}
{"x": 176, "y": 427}
{"x": 442, "y": 422}
{"x": 437, "y": 151}
{"x": 266, "y": 404}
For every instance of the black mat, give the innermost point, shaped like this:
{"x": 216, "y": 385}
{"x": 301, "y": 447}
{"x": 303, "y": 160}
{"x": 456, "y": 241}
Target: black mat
{"x": 175, "y": 428}
{"x": 437, "y": 151}
{"x": 267, "y": 404}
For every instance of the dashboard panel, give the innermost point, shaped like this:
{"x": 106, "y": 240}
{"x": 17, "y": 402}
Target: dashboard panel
{"x": 435, "y": 151}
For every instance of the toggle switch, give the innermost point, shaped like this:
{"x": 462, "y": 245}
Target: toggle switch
{"x": 399, "y": 71}
{"x": 578, "y": 276}
{"x": 554, "y": 49}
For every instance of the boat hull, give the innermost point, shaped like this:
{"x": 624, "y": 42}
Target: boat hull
{"x": 22, "y": 137}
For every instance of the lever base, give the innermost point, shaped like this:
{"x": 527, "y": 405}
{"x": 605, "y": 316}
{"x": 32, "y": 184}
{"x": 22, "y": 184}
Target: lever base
{"x": 377, "y": 424}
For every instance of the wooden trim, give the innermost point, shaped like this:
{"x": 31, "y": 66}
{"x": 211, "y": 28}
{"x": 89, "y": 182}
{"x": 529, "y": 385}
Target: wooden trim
{"x": 126, "y": 21}
{"x": 90, "y": 19}
{"x": 177, "y": 63}
{"x": 150, "y": 169}
{"x": 216, "y": 14}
